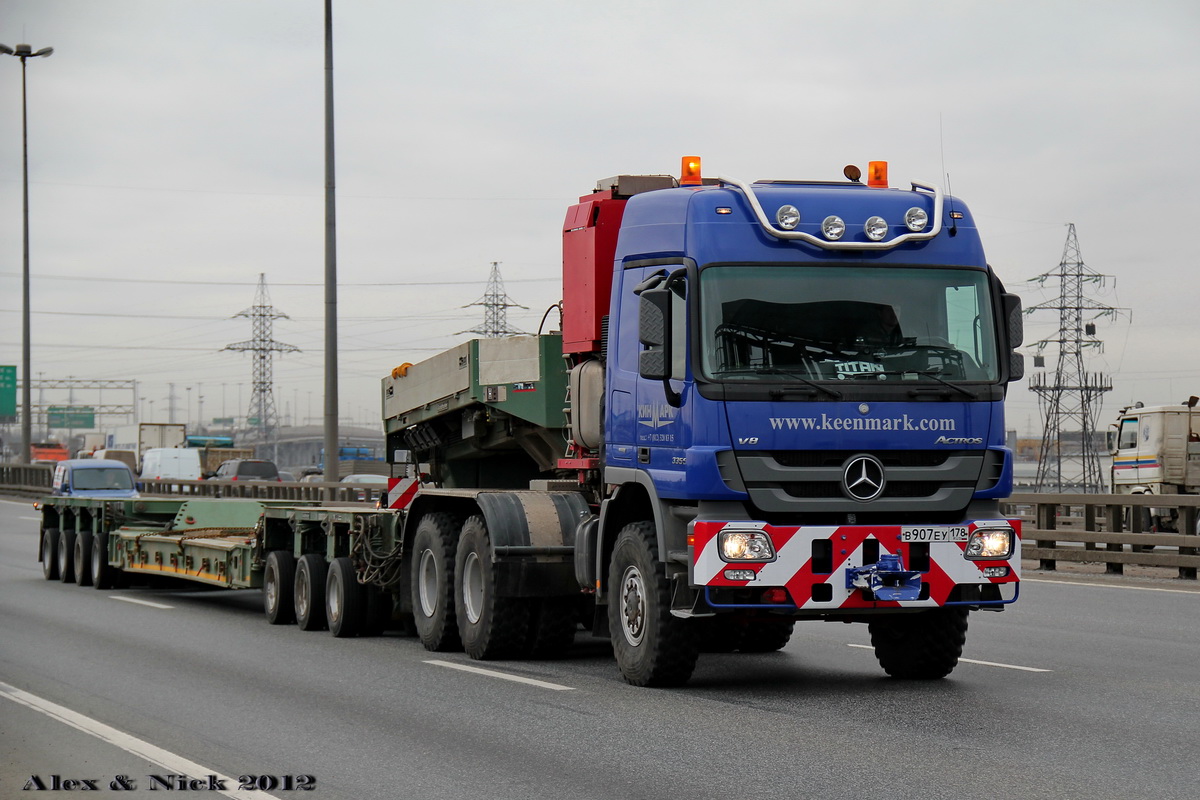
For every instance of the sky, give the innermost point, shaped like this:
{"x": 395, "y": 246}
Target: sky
{"x": 176, "y": 153}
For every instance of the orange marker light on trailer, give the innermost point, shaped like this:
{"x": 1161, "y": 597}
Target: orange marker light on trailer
{"x": 877, "y": 174}
{"x": 689, "y": 171}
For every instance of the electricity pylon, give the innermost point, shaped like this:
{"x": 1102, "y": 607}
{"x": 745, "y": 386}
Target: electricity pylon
{"x": 1071, "y": 397}
{"x": 495, "y": 303}
{"x": 261, "y": 414}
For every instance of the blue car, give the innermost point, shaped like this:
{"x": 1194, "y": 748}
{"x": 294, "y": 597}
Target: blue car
{"x": 93, "y": 477}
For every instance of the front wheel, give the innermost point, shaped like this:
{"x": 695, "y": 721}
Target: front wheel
{"x": 490, "y": 626}
{"x": 652, "y": 647}
{"x": 924, "y": 646}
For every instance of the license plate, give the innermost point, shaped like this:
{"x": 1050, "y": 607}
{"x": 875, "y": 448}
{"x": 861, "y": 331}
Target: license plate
{"x": 955, "y": 533}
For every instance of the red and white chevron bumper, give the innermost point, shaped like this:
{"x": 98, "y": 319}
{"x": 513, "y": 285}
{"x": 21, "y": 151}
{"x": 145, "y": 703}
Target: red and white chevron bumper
{"x": 825, "y": 568}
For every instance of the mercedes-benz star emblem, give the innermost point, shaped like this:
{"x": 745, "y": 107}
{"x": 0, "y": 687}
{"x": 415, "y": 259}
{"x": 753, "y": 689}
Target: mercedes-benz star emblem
{"x": 863, "y": 478}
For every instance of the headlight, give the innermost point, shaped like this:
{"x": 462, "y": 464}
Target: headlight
{"x": 876, "y": 228}
{"x": 788, "y": 217}
{"x": 915, "y": 219}
{"x": 989, "y": 544}
{"x": 745, "y": 546}
{"x": 833, "y": 228}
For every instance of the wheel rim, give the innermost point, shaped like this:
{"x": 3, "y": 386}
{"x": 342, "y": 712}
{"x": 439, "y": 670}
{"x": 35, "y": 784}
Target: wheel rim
{"x": 65, "y": 558}
{"x": 272, "y": 586}
{"x": 473, "y": 587}
{"x": 633, "y": 605}
{"x": 80, "y": 567}
{"x": 95, "y": 564}
{"x": 427, "y": 583}
{"x": 49, "y": 557}
{"x": 333, "y": 603}
{"x": 302, "y": 592}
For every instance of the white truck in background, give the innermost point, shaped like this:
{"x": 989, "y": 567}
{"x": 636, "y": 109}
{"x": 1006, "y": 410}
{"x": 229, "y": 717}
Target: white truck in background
{"x": 1156, "y": 450}
{"x": 144, "y": 435}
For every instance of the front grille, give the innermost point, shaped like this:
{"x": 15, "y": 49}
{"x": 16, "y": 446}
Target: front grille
{"x": 810, "y": 482}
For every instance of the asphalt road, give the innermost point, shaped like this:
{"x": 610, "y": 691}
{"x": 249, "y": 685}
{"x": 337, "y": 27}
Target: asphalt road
{"x": 1076, "y": 691}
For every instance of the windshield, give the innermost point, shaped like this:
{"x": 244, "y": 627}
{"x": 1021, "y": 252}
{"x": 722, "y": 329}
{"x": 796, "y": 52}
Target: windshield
{"x": 102, "y": 478}
{"x": 846, "y": 323}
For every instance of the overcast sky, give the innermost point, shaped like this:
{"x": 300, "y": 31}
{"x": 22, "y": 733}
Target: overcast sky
{"x": 176, "y": 152}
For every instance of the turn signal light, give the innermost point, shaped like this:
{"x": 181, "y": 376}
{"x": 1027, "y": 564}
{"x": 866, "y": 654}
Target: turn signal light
{"x": 689, "y": 171}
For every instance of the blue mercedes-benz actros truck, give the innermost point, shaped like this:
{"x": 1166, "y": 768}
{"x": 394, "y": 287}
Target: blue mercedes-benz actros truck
{"x": 766, "y": 403}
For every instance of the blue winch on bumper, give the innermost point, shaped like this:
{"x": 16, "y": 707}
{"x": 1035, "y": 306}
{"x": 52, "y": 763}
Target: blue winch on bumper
{"x": 885, "y": 580}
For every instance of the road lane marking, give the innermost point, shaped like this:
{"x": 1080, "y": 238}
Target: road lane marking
{"x": 1111, "y": 586}
{"x": 973, "y": 661}
{"x": 140, "y": 601}
{"x": 31, "y": 519}
{"x": 491, "y": 673}
{"x": 131, "y": 744}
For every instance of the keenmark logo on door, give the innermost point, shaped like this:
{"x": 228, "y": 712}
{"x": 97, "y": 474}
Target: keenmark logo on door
{"x": 657, "y": 416}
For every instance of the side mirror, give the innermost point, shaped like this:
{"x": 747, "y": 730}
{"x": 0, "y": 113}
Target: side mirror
{"x": 1016, "y": 320}
{"x": 654, "y": 332}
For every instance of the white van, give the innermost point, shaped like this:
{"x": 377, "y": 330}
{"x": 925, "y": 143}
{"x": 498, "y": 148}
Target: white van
{"x": 171, "y": 463}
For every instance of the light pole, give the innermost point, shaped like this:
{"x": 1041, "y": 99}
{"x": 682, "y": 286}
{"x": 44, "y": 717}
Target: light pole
{"x": 24, "y": 51}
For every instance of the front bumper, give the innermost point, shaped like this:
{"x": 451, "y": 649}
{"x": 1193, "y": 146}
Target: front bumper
{"x": 854, "y": 567}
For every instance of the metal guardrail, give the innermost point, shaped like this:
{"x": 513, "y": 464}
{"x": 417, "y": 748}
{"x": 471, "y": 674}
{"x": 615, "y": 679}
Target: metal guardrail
{"x": 34, "y": 480}
{"x": 1075, "y": 528}
{"x": 1107, "y": 529}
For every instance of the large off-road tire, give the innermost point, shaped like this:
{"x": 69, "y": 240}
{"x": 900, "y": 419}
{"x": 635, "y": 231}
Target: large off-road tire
{"x": 652, "y": 647}
{"x": 83, "y": 558}
{"x": 924, "y": 646}
{"x": 310, "y": 592}
{"x": 50, "y": 553}
{"x": 104, "y": 575}
{"x": 552, "y": 625}
{"x": 345, "y": 599}
{"x": 489, "y": 626}
{"x": 279, "y": 588}
{"x": 66, "y": 556}
{"x": 433, "y": 550}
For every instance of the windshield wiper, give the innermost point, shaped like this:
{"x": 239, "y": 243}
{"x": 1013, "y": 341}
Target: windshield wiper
{"x": 834, "y": 393}
{"x": 936, "y": 377}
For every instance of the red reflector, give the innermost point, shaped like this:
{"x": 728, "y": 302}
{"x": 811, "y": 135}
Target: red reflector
{"x": 775, "y": 596}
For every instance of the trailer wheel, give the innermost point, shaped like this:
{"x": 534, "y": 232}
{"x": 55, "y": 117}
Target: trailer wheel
{"x": 310, "y": 592}
{"x": 279, "y": 588}
{"x": 103, "y": 574}
{"x": 490, "y": 626}
{"x": 345, "y": 599}
{"x": 50, "y": 553}
{"x": 923, "y": 646}
{"x": 83, "y": 558}
{"x": 652, "y": 647}
{"x": 433, "y": 582}
{"x": 66, "y": 556}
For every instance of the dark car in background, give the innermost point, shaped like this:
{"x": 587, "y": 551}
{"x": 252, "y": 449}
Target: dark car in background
{"x": 247, "y": 469}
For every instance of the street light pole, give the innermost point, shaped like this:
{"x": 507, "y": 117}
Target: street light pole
{"x": 24, "y": 51}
